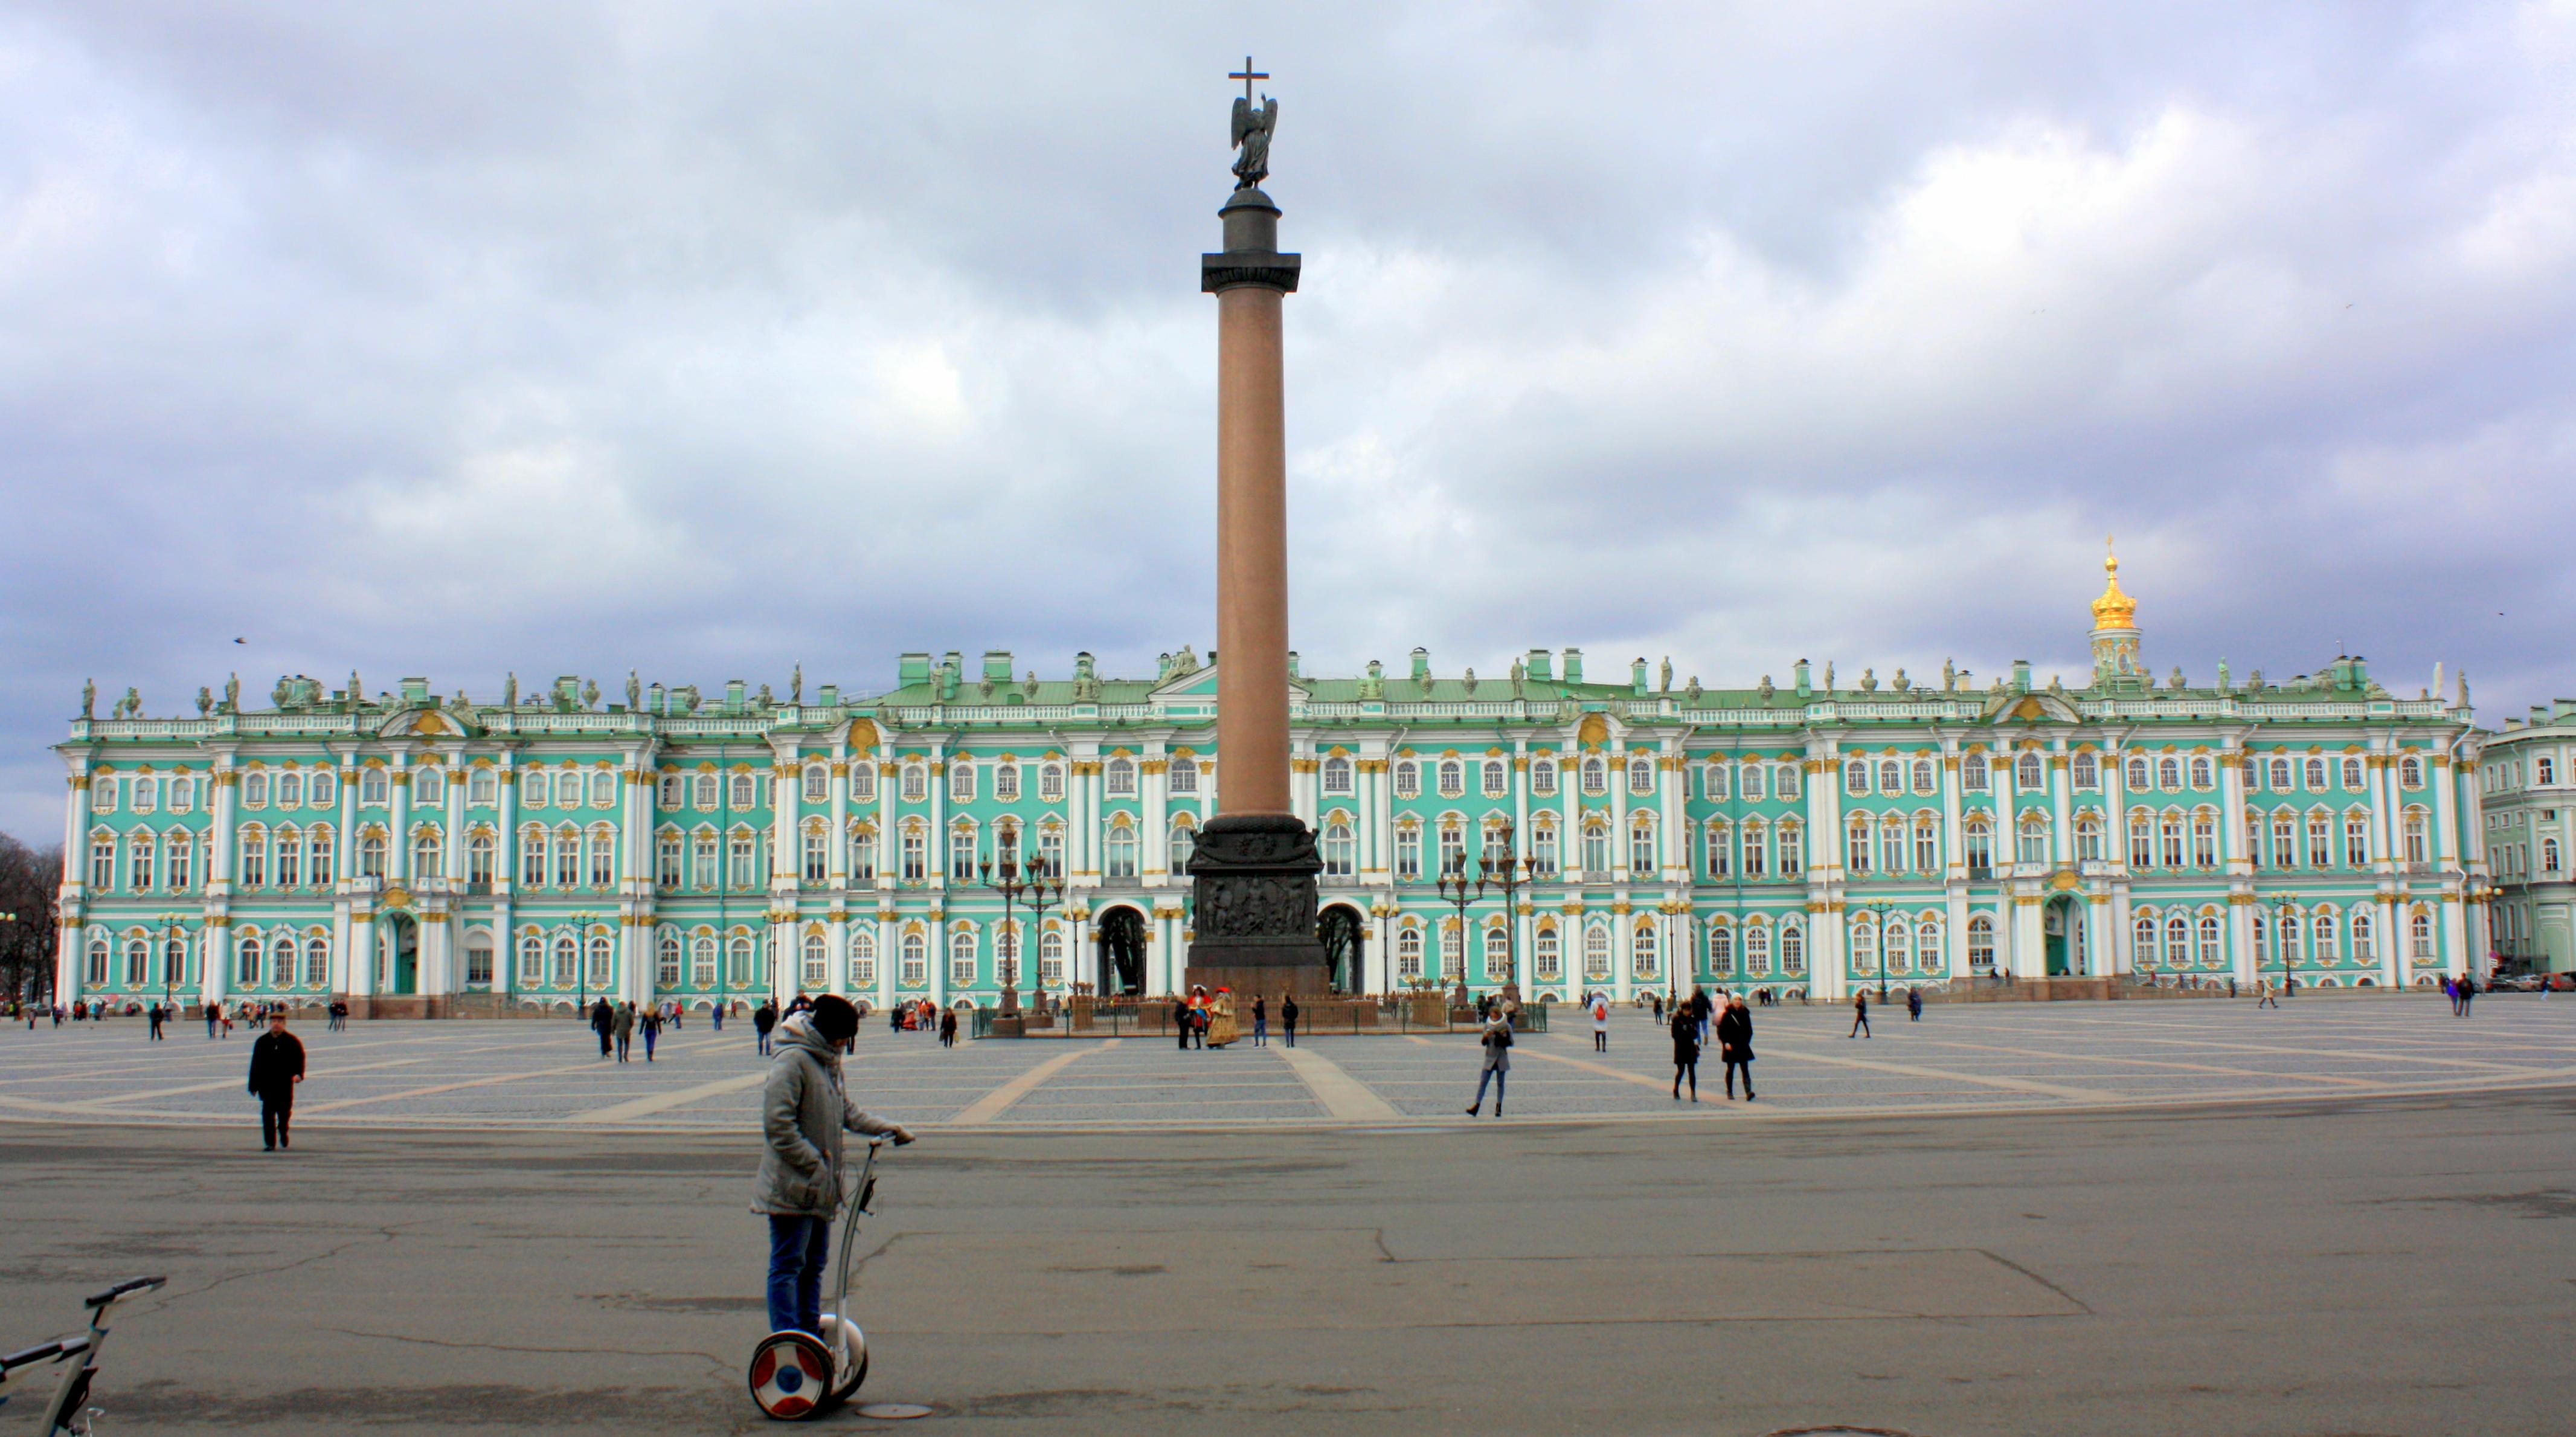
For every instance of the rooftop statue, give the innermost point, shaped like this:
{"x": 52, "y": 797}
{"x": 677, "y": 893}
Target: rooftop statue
{"x": 1252, "y": 130}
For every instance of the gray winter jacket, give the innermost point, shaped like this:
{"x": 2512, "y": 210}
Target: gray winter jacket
{"x": 803, "y": 1112}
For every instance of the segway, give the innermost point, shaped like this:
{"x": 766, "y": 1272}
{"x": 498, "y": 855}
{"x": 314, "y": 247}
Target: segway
{"x": 796, "y": 1376}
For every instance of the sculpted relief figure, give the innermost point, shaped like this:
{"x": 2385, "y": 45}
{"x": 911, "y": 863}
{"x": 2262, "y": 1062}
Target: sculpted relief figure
{"x": 1252, "y": 130}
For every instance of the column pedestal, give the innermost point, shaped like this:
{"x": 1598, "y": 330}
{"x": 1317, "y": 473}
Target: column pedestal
{"x": 1254, "y": 926}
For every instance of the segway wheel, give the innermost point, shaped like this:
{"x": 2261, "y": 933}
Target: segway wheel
{"x": 791, "y": 1376}
{"x": 850, "y": 1353}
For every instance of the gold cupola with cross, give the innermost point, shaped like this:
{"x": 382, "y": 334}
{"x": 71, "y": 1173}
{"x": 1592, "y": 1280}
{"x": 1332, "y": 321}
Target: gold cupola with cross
{"x": 2115, "y": 631}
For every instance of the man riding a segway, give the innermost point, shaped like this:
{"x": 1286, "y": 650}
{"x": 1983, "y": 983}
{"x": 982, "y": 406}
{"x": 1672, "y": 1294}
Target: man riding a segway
{"x": 809, "y": 1359}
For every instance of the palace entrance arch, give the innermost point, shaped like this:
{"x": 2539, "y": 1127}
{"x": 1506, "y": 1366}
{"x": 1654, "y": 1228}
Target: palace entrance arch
{"x": 1121, "y": 940}
{"x": 1344, "y": 935}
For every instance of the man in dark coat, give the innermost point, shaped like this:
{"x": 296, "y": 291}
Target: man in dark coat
{"x": 601, "y": 1020}
{"x": 763, "y": 1018}
{"x": 1735, "y": 1045}
{"x": 276, "y": 1066}
{"x": 1288, "y": 1016}
{"x": 1685, "y": 1050}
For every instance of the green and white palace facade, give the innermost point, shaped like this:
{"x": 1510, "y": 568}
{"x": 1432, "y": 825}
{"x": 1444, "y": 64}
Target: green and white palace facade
{"x": 432, "y": 854}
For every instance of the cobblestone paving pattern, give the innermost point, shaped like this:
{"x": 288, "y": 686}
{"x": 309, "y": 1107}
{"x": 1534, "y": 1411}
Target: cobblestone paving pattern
{"x": 1968, "y": 1058}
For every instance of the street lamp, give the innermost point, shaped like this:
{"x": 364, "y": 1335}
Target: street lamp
{"x": 1878, "y": 909}
{"x": 169, "y": 965}
{"x": 2283, "y": 902}
{"x": 581, "y": 957}
{"x": 1458, "y": 890}
{"x": 1014, "y": 883}
{"x": 1511, "y": 875}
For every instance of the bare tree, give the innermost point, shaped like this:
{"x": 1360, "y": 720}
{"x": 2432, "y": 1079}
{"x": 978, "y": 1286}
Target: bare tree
{"x": 30, "y": 880}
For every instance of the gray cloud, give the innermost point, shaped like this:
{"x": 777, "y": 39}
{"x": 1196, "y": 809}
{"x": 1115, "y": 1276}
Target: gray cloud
{"x": 574, "y": 338}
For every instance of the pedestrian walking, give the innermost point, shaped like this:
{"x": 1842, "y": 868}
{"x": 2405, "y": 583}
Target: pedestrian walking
{"x": 763, "y": 1018}
{"x": 153, "y": 1017}
{"x": 1685, "y": 1051}
{"x": 276, "y": 1066}
{"x": 2264, "y": 987}
{"x": 651, "y": 1023}
{"x": 603, "y": 1023}
{"x": 1860, "y": 1015}
{"x": 1288, "y": 1016}
{"x": 1703, "y": 1012}
{"x": 1735, "y": 1046}
{"x": 1913, "y": 1005}
{"x": 214, "y": 1011}
{"x": 804, "y": 1109}
{"x": 1600, "y": 1022}
{"x": 624, "y": 1027}
{"x": 1260, "y": 1022}
{"x": 948, "y": 1028}
{"x": 1497, "y": 1043}
{"x": 2468, "y": 993}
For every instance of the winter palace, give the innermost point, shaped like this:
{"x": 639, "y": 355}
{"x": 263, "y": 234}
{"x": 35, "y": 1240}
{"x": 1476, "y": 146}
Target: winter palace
{"x": 421, "y": 853}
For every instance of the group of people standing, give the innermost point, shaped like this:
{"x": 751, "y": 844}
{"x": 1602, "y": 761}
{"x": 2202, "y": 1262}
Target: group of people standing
{"x": 618, "y": 1025}
{"x": 1699, "y": 1019}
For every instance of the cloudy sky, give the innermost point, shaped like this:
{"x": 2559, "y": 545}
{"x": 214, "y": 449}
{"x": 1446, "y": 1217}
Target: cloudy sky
{"x": 465, "y": 339}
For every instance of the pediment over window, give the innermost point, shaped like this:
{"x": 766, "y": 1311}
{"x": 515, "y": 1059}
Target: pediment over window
{"x": 424, "y": 723}
{"x": 2030, "y": 708}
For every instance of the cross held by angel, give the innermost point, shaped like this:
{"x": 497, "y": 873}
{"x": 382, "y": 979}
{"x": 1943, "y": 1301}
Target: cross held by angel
{"x": 1252, "y": 129}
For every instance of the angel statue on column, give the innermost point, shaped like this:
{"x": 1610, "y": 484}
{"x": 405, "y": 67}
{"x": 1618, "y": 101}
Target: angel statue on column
{"x": 1252, "y": 131}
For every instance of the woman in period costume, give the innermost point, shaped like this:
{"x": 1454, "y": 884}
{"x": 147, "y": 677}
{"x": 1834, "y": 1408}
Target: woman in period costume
{"x": 1221, "y": 1025}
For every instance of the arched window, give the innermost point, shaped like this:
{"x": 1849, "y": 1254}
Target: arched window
{"x": 1752, "y": 780}
{"x": 2088, "y": 836}
{"x": 1891, "y": 844}
{"x": 2085, "y": 771}
{"x": 1647, "y": 956}
{"x": 2549, "y": 855}
{"x": 2142, "y": 946}
{"x": 1643, "y": 859}
{"x": 428, "y": 787}
{"x": 961, "y": 780}
{"x": 1721, "y": 950}
{"x": 1184, "y": 844}
{"x": 1856, "y": 777}
{"x": 600, "y": 958}
{"x": 1453, "y": 952}
{"x": 2177, "y": 942}
{"x": 2027, "y": 773}
{"x": 1891, "y": 776}
{"x": 2356, "y": 839}
{"x": 139, "y": 862}
{"x": 702, "y": 960}
{"x": 1121, "y": 850}
{"x": 1185, "y": 774}
{"x": 1596, "y": 953}
{"x": 746, "y": 962}
{"x": 817, "y": 848}
{"x": 1408, "y": 954}
{"x": 863, "y": 956}
{"x": 290, "y": 791}
{"x": 2418, "y": 849}
{"x": 2209, "y": 941}
{"x": 1497, "y": 779}
{"x": 1717, "y": 849}
{"x": 2204, "y": 839}
{"x": 1341, "y": 850}
{"x": 745, "y": 793}
{"x": 1051, "y": 783}
{"x": 1981, "y": 943}
{"x": 863, "y": 781}
{"x": 1972, "y": 772}
{"x": 818, "y": 783}
{"x": 317, "y": 962}
{"x": 1596, "y": 774}
{"x": 1641, "y": 775}
{"x": 374, "y": 788}
{"x": 1793, "y": 949}
{"x": 2034, "y": 838}
{"x": 1864, "y": 946}
{"x": 1051, "y": 958}
{"x": 814, "y": 969}
{"x": 1923, "y": 781}
{"x": 863, "y": 853}
{"x": 2282, "y": 778}
{"x": 1407, "y": 776}
{"x": 2136, "y": 776}
{"x": 1453, "y": 778}
{"x": 1793, "y": 855}
{"x": 1927, "y": 945}
{"x": 1894, "y": 941}
{"x": 181, "y": 872}
{"x": 2169, "y": 773}
{"x": 481, "y": 854}
{"x": 1337, "y": 775}
{"x": 95, "y": 974}
{"x": 2364, "y": 937}
{"x": 1546, "y": 957}
{"x": 2320, "y": 840}
{"x": 1756, "y": 849}
{"x": 2321, "y": 930}
{"x": 2315, "y": 774}
{"x": 1856, "y": 844}
{"x": 1543, "y": 776}
{"x": 2169, "y": 829}
{"x": 2202, "y": 772}
{"x": 371, "y": 854}
{"x": 246, "y": 971}
{"x": 532, "y": 958}
{"x": 425, "y": 847}
{"x": 567, "y": 963}
{"x": 2410, "y": 772}
{"x": 567, "y": 857}
{"x": 1596, "y": 849}
{"x": 666, "y": 965}
{"x": 1120, "y": 774}
{"x": 1757, "y": 950}
{"x": 705, "y": 791}
{"x": 1544, "y": 847}
{"x": 1712, "y": 781}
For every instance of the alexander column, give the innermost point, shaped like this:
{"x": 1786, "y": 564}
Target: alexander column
{"x": 1253, "y": 928}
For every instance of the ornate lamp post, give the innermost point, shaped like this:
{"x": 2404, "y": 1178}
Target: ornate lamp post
{"x": 1015, "y": 883}
{"x": 169, "y": 969}
{"x": 581, "y": 957}
{"x": 1878, "y": 909}
{"x": 2283, "y": 902}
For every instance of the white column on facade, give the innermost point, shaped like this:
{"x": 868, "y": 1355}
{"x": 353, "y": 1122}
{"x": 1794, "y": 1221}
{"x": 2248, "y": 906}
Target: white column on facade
{"x": 1826, "y": 961}
{"x": 2061, "y": 804}
{"x": 2115, "y": 805}
{"x": 344, "y": 844}
{"x": 1672, "y": 782}
{"x": 839, "y": 862}
{"x": 359, "y": 964}
{"x": 939, "y": 956}
{"x": 889, "y": 785}
{"x": 1615, "y": 754}
{"x": 398, "y": 861}
{"x": 1154, "y": 790}
{"x": 214, "y": 972}
{"x": 889, "y": 955}
{"x": 836, "y": 950}
{"x": 2108, "y": 950}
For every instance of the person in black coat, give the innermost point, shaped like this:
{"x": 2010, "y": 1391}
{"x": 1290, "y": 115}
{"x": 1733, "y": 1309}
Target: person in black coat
{"x": 276, "y": 1066}
{"x": 763, "y": 1018}
{"x": 1685, "y": 1050}
{"x": 601, "y": 1021}
{"x": 1735, "y": 1045}
{"x": 1288, "y": 1016}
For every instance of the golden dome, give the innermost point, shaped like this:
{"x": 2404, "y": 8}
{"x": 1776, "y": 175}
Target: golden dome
{"x": 2114, "y": 610}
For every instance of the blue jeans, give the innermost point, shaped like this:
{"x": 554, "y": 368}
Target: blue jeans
{"x": 797, "y": 1247}
{"x": 1498, "y": 1076}
{"x": 1260, "y": 1030}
